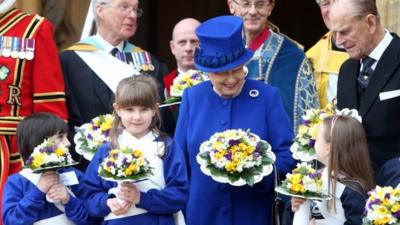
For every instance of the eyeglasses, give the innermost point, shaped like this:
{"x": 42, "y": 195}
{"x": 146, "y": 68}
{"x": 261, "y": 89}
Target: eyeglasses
{"x": 246, "y": 5}
{"x": 126, "y": 9}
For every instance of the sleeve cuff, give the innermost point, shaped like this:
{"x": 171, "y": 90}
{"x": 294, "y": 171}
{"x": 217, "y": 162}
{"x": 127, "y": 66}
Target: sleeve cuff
{"x": 145, "y": 200}
{"x": 103, "y": 204}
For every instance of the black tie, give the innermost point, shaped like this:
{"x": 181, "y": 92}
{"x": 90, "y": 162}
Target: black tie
{"x": 114, "y": 52}
{"x": 366, "y": 72}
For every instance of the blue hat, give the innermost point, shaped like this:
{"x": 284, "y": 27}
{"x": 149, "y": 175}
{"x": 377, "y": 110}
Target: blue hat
{"x": 221, "y": 45}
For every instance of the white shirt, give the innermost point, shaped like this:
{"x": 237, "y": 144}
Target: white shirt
{"x": 107, "y": 47}
{"x": 380, "y": 49}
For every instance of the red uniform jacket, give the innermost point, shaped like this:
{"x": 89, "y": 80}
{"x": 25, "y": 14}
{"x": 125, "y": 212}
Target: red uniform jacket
{"x": 168, "y": 81}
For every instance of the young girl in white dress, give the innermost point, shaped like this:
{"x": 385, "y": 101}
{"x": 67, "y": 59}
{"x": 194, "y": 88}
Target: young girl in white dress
{"x": 157, "y": 200}
{"x": 342, "y": 147}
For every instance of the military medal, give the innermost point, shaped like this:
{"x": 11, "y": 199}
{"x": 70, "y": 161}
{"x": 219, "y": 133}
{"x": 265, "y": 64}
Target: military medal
{"x": 21, "y": 53}
{"x": 135, "y": 61}
{"x": 6, "y": 51}
{"x": 148, "y": 61}
{"x": 15, "y": 46}
{"x": 143, "y": 62}
{"x": 30, "y": 48}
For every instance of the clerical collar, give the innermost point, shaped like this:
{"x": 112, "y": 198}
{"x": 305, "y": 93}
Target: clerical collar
{"x": 259, "y": 40}
{"x": 107, "y": 47}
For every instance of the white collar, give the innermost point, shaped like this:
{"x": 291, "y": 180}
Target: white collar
{"x": 149, "y": 137}
{"x": 107, "y": 47}
{"x": 180, "y": 71}
{"x": 381, "y": 47}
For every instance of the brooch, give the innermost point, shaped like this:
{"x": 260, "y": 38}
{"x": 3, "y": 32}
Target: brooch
{"x": 254, "y": 93}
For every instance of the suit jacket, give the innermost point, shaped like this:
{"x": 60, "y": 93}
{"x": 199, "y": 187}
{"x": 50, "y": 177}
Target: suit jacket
{"x": 381, "y": 117}
{"x": 389, "y": 175}
{"x": 88, "y": 96}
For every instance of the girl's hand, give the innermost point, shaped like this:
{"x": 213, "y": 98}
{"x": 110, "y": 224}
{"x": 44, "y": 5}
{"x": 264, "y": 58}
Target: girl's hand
{"x": 116, "y": 207}
{"x": 60, "y": 193}
{"x": 296, "y": 203}
{"x": 47, "y": 180}
{"x": 129, "y": 192}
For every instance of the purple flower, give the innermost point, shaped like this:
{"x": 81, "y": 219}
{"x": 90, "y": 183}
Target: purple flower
{"x": 233, "y": 142}
{"x": 49, "y": 149}
{"x": 194, "y": 76}
{"x": 311, "y": 143}
{"x": 90, "y": 137}
{"x": 256, "y": 154}
{"x": 29, "y": 160}
{"x": 228, "y": 156}
{"x": 125, "y": 162}
{"x": 258, "y": 147}
{"x": 110, "y": 164}
{"x": 397, "y": 214}
{"x": 107, "y": 133}
{"x": 374, "y": 202}
{"x": 315, "y": 175}
{"x": 307, "y": 122}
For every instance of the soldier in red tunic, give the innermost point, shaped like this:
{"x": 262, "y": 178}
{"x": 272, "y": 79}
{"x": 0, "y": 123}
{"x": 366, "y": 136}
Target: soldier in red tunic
{"x": 30, "y": 78}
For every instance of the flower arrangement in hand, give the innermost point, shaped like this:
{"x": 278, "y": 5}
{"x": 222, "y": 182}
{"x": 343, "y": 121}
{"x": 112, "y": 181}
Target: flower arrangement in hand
{"x": 383, "y": 206}
{"x": 236, "y": 157}
{"x": 304, "y": 182}
{"x": 49, "y": 156}
{"x": 125, "y": 164}
{"x": 183, "y": 81}
{"x": 303, "y": 144}
{"x": 92, "y": 135}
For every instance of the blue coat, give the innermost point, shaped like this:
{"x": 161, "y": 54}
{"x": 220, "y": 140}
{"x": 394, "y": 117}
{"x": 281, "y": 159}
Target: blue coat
{"x": 24, "y": 204}
{"x": 203, "y": 113}
{"x": 281, "y": 63}
{"x": 160, "y": 204}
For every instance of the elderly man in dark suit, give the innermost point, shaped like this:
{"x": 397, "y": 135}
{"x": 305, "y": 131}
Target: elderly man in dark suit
{"x": 370, "y": 80}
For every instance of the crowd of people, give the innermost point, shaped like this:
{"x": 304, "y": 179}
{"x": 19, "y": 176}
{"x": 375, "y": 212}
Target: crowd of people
{"x": 259, "y": 79}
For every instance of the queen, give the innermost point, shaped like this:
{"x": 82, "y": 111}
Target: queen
{"x": 229, "y": 101}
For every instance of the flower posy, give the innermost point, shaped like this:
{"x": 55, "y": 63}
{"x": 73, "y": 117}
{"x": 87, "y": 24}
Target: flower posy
{"x": 92, "y": 135}
{"x": 47, "y": 155}
{"x": 383, "y": 206}
{"x": 236, "y": 157}
{"x": 303, "y": 181}
{"x": 125, "y": 164}
{"x": 186, "y": 80}
{"x": 183, "y": 81}
{"x": 303, "y": 145}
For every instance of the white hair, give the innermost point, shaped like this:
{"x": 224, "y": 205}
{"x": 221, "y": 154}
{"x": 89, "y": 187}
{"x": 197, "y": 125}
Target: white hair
{"x": 95, "y": 3}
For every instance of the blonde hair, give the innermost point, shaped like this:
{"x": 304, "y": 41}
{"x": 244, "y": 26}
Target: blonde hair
{"x": 349, "y": 155}
{"x": 136, "y": 91}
